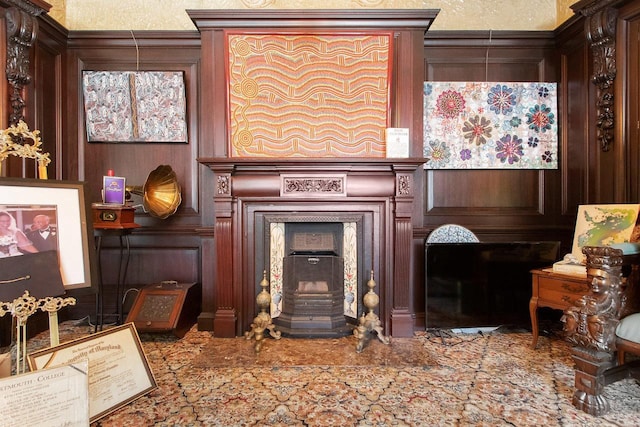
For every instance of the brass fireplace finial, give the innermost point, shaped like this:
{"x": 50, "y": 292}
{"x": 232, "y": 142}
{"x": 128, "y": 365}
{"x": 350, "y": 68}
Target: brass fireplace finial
{"x": 263, "y": 320}
{"x": 371, "y": 322}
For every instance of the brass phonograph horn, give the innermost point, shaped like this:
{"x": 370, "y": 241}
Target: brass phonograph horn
{"x": 160, "y": 193}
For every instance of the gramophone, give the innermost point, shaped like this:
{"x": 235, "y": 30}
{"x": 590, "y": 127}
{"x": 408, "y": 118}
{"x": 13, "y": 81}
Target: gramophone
{"x": 160, "y": 199}
{"x": 160, "y": 192}
{"x": 158, "y": 307}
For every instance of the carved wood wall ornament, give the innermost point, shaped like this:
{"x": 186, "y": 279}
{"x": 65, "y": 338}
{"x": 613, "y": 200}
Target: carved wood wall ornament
{"x": 601, "y": 33}
{"x": 22, "y": 29}
{"x": 404, "y": 185}
{"x": 600, "y": 27}
{"x": 224, "y": 188}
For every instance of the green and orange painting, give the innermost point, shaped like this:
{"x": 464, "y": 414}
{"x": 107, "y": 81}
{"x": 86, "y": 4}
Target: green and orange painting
{"x": 603, "y": 225}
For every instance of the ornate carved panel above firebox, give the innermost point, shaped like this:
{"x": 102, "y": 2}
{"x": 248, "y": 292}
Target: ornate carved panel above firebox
{"x": 308, "y": 184}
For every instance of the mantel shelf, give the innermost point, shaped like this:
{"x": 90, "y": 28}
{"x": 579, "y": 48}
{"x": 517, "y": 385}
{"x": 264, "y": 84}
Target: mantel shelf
{"x": 305, "y": 163}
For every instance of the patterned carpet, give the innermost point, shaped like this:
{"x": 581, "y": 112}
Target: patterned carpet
{"x": 433, "y": 379}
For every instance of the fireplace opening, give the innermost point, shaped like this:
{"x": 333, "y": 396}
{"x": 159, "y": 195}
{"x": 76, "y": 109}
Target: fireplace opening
{"x": 313, "y": 271}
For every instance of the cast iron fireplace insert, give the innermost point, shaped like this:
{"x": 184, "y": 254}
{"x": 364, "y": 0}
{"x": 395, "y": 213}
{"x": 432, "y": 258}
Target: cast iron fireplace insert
{"x": 313, "y": 288}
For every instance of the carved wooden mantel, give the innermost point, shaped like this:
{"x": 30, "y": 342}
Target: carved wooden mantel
{"x": 247, "y": 189}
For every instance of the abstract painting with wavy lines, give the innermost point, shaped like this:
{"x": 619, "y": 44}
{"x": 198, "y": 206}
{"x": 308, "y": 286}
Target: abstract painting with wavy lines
{"x": 490, "y": 125}
{"x": 308, "y": 95}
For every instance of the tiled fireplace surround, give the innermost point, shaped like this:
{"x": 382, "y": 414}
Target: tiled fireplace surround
{"x": 251, "y": 193}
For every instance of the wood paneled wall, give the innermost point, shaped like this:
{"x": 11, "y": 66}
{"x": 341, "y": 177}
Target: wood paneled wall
{"x": 497, "y": 205}
{"x": 162, "y": 249}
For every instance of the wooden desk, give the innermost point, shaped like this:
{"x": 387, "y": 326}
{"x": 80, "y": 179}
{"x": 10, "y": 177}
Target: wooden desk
{"x": 555, "y": 290}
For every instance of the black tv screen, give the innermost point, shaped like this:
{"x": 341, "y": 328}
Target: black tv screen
{"x": 482, "y": 284}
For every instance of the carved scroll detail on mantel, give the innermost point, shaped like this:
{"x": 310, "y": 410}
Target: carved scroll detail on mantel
{"x": 22, "y": 29}
{"x": 600, "y": 27}
{"x": 310, "y": 185}
{"x": 224, "y": 186}
{"x": 404, "y": 182}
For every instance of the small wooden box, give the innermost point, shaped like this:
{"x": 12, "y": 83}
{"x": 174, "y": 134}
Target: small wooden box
{"x": 166, "y": 307}
{"x": 113, "y": 216}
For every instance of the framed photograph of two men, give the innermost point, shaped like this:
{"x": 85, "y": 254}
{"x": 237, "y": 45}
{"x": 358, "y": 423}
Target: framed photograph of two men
{"x": 46, "y": 238}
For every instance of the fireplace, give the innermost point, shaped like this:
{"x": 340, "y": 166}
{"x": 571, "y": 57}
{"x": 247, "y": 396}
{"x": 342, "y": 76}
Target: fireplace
{"x": 318, "y": 286}
{"x": 368, "y": 202}
{"x": 265, "y": 175}
{"x": 312, "y": 297}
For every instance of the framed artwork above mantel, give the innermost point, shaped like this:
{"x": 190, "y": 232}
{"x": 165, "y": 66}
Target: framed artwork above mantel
{"x": 312, "y": 94}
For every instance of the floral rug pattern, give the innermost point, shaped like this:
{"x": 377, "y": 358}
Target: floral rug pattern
{"x": 492, "y": 379}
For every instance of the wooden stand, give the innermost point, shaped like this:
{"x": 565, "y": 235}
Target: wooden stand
{"x": 121, "y": 230}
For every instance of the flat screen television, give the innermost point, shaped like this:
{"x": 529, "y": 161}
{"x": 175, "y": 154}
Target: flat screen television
{"x": 482, "y": 284}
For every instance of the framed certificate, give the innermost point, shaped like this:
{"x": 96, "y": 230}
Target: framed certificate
{"x": 54, "y": 397}
{"x": 119, "y": 372}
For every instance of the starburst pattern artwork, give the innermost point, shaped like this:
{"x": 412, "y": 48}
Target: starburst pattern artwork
{"x": 489, "y": 125}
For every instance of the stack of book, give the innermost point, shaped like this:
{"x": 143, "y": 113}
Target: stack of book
{"x": 570, "y": 265}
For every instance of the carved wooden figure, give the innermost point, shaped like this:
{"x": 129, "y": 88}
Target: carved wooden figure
{"x": 591, "y": 326}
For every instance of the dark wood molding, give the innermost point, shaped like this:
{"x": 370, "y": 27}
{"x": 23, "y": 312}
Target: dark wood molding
{"x": 32, "y": 7}
{"x": 480, "y": 38}
{"x": 284, "y": 163}
{"x": 590, "y": 7}
{"x": 628, "y": 86}
{"x": 356, "y": 19}
{"x": 115, "y": 39}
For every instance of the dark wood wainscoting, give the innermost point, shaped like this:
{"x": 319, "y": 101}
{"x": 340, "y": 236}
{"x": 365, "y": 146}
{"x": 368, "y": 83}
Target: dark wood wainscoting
{"x": 171, "y": 257}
